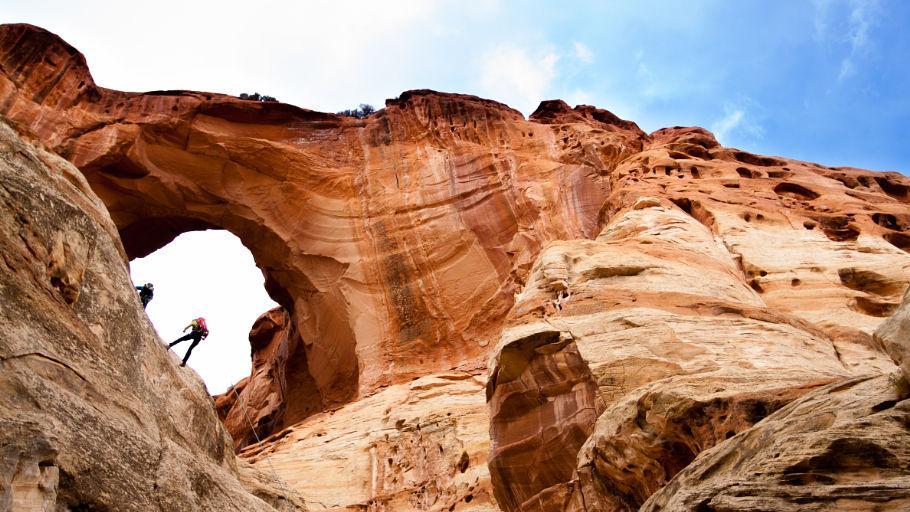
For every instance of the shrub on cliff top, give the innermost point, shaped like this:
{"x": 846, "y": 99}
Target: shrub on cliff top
{"x": 364, "y": 110}
{"x": 257, "y": 97}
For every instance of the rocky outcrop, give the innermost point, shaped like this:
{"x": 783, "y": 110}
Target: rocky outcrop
{"x": 638, "y": 301}
{"x": 94, "y": 412}
{"x": 542, "y": 409}
{"x": 893, "y": 337}
{"x": 841, "y": 447}
{"x": 395, "y": 243}
{"x": 256, "y": 406}
{"x": 671, "y": 341}
{"x": 416, "y": 446}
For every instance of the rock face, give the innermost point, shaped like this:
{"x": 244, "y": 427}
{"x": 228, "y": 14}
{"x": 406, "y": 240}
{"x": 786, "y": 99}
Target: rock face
{"x": 256, "y": 405}
{"x": 666, "y": 335}
{"x": 842, "y": 447}
{"x": 394, "y": 243}
{"x": 94, "y": 412}
{"x": 642, "y": 305}
{"x": 893, "y": 337}
{"x": 416, "y": 446}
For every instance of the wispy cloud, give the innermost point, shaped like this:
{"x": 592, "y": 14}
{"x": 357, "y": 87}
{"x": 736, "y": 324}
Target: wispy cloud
{"x": 849, "y": 31}
{"x": 647, "y": 84}
{"x": 518, "y": 76}
{"x": 863, "y": 15}
{"x": 728, "y": 123}
{"x": 582, "y": 52}
{"x": 820, "y": 20}
{"x": 737, "y": 124}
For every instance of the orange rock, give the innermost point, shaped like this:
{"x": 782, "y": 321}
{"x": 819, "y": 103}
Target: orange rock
{"x": 640, "y": 297}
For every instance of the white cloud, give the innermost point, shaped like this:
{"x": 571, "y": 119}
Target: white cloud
{"x": 728, "y": 123}
{"x": 582, "y": 52}
{"x": 863, "y": 15}
{"x": 320, "y": 54}
{"x": 579, "y": 97}
{"x": 737, "y": 125}
{"x": 513, "y": 75}
{"x": 852, "y": 29}
{"x": 847, "y": 69}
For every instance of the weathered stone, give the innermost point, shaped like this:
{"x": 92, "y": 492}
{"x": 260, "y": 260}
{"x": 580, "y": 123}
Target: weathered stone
{"x": 845, "y": 446}
{"x": 416, "y": 446}
{"x": 94, "y": 412}
{"x": 669, "y": 337}
{"x": 639, "y": 297}
{"x": 893, "y": 336}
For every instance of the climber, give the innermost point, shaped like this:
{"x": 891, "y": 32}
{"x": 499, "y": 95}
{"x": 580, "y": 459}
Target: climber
{"x": 146, "y": 292}
{"x": 198, "y": 333}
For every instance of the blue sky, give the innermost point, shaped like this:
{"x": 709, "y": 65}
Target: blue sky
{"x": 819, "y": 80}
{"x": 823, "y": 81}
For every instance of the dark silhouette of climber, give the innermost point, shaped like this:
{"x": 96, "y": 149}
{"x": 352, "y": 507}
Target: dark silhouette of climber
{"x": 146, "y": 292}
{"x": 197, "y": 333}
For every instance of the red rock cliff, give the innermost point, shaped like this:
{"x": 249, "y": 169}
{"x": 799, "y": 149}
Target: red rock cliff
{"x": 642, "y": 299}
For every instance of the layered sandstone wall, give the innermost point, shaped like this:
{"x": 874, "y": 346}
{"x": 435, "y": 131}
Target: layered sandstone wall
{"x": 94, "y": 412}
{"x": 484, "y": 312}
{"x": 395, "y": 243}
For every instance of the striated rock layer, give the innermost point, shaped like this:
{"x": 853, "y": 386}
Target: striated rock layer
{"x": 668, "y": 340}
{"x": 642, "y": 304}
{"x": 842, "y": 447}
{"x": 395, "y": 243}
{"x": 94, "y": 412}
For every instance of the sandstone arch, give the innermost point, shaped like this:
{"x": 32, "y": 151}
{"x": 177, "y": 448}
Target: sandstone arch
{"x": 395, "y": 243}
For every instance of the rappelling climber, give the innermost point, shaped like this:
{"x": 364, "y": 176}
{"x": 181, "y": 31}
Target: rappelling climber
{"x": 197, "y": 333}
{"x": 146, "y": 292}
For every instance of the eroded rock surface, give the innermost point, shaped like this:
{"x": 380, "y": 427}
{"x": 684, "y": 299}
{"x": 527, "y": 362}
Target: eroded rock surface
{"x": 893, "y": 336}
{"x": 416, "y": 446}
{"x": 638, "y": 301}
{"x": 395, "y": 243}
{"x": 95, "y": 414}
{"x": 842, "y": 447}
{"x": 673, "y": 345}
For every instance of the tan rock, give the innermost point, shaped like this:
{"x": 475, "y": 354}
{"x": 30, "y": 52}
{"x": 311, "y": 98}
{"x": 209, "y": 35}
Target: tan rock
{"x": 845, "y": 446}
{"x": 94, "y": 411}
{"x": 668, "y": 337}
{"x": 893, "y": 336}
{"x": 416, "y": 446}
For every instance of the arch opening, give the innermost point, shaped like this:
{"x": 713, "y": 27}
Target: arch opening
{"x": 207, "y": 273}
{"x": 255, "y": 362}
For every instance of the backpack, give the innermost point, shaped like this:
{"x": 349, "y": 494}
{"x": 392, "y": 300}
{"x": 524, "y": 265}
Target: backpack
{"x": 200, "y": 325}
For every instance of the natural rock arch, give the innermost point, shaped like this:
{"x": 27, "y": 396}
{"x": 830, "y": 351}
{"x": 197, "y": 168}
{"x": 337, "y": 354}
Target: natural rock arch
{"x": 395, "y": 243}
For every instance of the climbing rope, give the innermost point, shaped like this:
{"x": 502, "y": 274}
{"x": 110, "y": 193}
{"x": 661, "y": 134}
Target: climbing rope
{"x": 284, "y": 487}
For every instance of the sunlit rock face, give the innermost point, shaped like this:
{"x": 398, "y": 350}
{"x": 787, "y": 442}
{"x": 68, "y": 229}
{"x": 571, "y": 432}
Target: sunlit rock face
{"x": 672, "y": 344}
{"x": 94, "y": 412}
{"x": 416, "y": 446}
{"x": 394, "y": 243}
{"x": 483, "y": 312}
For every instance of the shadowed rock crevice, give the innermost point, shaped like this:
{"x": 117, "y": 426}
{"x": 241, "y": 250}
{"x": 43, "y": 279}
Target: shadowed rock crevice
{"x": 828, "y": 450}
{"x": 279, "y": 370}
{"x": 659, "y": 436}
{"x": 541, "y": 394}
